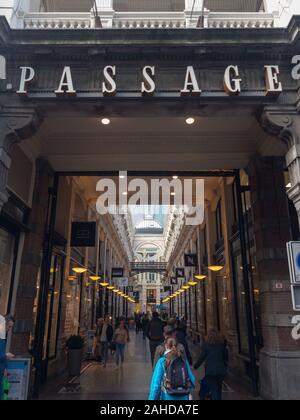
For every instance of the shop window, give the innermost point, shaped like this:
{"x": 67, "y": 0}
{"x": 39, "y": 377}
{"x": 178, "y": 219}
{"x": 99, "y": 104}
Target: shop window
{"x": 219, "y": 228}
{"x": 53, "y": 308}
{"x": 241, "y": 313}
{"x": 8, "y": 248}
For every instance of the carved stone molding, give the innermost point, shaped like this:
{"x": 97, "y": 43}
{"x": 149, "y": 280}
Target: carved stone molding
{"x": 16, "y": 124}
{"x": 284, "y": 122}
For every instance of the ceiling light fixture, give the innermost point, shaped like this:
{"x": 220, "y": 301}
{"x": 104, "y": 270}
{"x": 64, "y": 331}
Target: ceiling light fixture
{"x": 215, "y": 268}
{"x": 192, "y": 283}
{"x": 95, "y": 278}
{"x": 105, "y": 121}
{"x": 190, "y": 121}
{"x": 200, "y": 277}
{"x": 79, "y": 270}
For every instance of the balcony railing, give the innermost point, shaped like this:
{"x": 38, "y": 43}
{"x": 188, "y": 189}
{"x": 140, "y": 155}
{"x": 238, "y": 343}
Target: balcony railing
{"x": 146, "y": 20}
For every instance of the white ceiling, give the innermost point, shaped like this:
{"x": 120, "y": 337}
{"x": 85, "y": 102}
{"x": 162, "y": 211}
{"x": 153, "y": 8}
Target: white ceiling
{"x": 79, "y": 142}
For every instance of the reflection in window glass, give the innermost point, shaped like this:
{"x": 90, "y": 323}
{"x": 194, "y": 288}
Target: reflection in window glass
{"x": 7, "y": 247}
{"x": 241, "y": 305}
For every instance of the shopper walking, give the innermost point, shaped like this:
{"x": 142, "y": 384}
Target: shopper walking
{"x": 145, "y": 324}
{"x": 172, "y": 378}
{"x": 215, "y": 355}
{"x": 106, "y": 336}
{"x": 155, "y": 334}
{"x": 121, "y": 338}
{"x": 181, "y": 337}
{"x": 6, "y": 325}
{"x": 169, "y": 332}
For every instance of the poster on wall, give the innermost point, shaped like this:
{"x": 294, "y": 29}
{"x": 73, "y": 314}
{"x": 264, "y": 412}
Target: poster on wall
{"x": 18, "y": 371}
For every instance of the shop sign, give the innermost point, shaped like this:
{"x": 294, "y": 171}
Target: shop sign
{"x": 83, "y": 234}
{"x": 180, "y": 273}
{"x": 190, "y": 260}
{"x": 18, "y": 370}
{"x": 173, "y": 281}
{"x": 117, "y": 272}
{"x": 122, "y": 281}
{"x": 233, "y": 83}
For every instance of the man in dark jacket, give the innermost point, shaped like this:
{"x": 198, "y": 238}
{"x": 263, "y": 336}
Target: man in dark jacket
{"x": 7, "y": 324}
{"x": 155, "y": 334}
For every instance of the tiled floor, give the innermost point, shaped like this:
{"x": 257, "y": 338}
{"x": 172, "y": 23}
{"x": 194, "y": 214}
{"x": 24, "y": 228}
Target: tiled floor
{"x": 129, "y": 383}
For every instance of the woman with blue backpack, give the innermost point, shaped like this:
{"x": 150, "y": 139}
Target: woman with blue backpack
{"x": 172, "y": 378}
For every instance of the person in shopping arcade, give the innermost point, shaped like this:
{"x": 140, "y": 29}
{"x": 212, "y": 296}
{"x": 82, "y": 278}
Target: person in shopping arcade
{"x": 172, "y": 377}
{"x": 145, "y": 323}
{"x": 181, "y": 337}
{"x": 121, "y": 338}
{"x": 103, "y": 339}
{"x": 214, "y": 354}
{"x": 155, "y": 334}
{"x": 6, "y": 325}
{"x": 169, "y": 332}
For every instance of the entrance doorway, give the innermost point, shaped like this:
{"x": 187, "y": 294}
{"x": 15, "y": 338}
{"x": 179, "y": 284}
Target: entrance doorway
{"x": 73, "y": 299}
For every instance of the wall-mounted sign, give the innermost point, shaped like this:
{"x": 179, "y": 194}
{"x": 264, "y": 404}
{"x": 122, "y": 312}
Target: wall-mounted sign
{"x": 190, "y": 260}
{"x": 18, "y": 371}
{"x": 233, "y": 83}
{"x": 173, "y": 281}
{"x": 180, "y": 273}
{"x": 117, "y": 272}
{"x": 83, "y": 234}
{"x": 122, "y": 281}
{"x": 293, "y": 250}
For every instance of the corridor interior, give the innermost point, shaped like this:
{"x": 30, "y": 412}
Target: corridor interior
{"x": 129, "y": 383}
{"x": 207, "y": 290}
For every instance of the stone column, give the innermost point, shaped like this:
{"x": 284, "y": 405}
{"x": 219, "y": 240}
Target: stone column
{"x": 16, "y": 124}
{"x": 105, "y": 16}
{"x": 280, "y": 357}
{"x": 193, "y": 12}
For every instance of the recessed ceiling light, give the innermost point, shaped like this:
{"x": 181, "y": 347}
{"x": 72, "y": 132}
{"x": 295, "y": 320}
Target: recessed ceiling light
{"x": 173, "y": 194}
{"x": 125, "y": 193}
{"x": 105, "y": 121}
{"x": 190, "y": 121}
{"x": 175, "y": 176}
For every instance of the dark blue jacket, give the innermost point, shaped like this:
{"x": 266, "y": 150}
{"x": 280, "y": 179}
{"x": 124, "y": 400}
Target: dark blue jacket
{"x": 2, "y": 353}
{"x": 215, "y": 358}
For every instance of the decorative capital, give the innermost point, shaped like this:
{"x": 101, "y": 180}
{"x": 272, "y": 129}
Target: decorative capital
{"x": 17, "y": 124}
{"x": 282, "y": 122}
